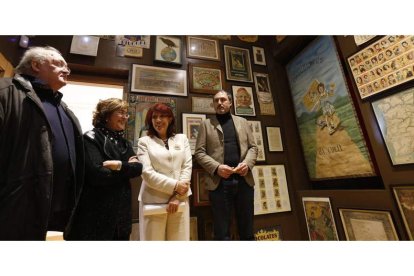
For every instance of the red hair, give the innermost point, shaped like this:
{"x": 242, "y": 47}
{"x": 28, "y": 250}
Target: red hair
{"x": 164, "y": 110}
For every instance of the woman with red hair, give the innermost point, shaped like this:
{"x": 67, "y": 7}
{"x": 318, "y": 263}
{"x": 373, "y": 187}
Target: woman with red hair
{"x": 164, "y": 212}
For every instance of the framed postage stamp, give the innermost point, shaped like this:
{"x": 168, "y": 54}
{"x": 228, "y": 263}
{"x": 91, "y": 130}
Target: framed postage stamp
{"x": 203, "y": 48}
{"x": 238, "y": 66}
{"x": 368, "y": 225}
{"x": 157, "y": 80}
{"x": 191, "y": 123}
{"x": 203, "y": 105}
{"x": 404, "y": 195}
{"x": 200, "y": 195}
{"x": 168, "y": 49}
{"x": 259, "y": 56}
{"x": 243, "y": 101}
{"x": 271, "y": 193}
{"x": 256, "y": 128}
{"x": 205, "y": 78}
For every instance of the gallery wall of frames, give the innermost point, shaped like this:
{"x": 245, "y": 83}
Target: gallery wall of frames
{"x": 333, "y": 118}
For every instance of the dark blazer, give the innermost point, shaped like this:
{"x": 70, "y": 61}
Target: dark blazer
{"x": 104, "y": 206}
{"x": 209, "y": 151}
{"x": 26, "y": 165}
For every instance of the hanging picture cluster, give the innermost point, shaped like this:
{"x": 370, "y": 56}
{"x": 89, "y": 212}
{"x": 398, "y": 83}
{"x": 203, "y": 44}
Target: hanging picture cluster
{"x": 385, "y": 63}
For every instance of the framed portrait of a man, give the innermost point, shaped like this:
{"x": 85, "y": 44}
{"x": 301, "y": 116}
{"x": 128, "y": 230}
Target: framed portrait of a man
{"x": 243, "y": 101}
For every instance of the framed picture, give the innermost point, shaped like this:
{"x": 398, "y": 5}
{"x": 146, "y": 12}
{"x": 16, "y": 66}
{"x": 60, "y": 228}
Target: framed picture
{"x": 256, "y": 128}
{"x": 274, "y": 139}
{"x": 200, "y": 193}
{"x": 264, "y": 94}
{"x": 191, "y": 123}
{"x": 168, "y": 49}
{"x": 383, "y": 64}
{"x": 368, "y": 225}
{"x": 243, "y": 101}
{"x": 238, "y": 67}
{"x": 319, "y": 219}
{"x": 272, "y": 233}
{"x": 271, "y": 193}
{"x": 259, "y": 56}
{"x": 131, "y": 45}
{"x": 157, "y": 80}
{"x": 404, "y": 195}
{"x": 84, "y": 45}
{"x": 332, "y": 140}
{"x": 202, "y": 105}
{"x": 138, "y": 106}
{"x": 206, "y": 78}
{"x": 395, "y": 119}
{"x": 203, "y": 48}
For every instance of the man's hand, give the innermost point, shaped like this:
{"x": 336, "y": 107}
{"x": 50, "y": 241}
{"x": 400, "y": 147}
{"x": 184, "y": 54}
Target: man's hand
{"x": 241, "y": 169}
{"x": 224, "y": 171}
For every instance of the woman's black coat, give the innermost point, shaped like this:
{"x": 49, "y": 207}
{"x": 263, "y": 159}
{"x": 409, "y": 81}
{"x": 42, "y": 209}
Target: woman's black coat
{"x": 103, "y": 210}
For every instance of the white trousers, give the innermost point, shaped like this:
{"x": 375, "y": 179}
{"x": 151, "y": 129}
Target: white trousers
{"x": 165, "y": 227}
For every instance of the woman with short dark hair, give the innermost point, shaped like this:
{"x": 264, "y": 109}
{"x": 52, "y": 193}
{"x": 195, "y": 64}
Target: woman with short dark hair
{"x": 103, "y": 211}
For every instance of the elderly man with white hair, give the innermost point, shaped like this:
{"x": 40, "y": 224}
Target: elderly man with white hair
{"x": 41, "y": 148}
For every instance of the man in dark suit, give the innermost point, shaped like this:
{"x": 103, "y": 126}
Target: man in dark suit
{"x": 226, "y": 149}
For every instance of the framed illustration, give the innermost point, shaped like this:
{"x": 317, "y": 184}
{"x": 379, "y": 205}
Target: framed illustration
{"x": 264, "y": 94}
{"x": 332, "y": 140}
{"x": 383, "y": 64}
{"x": 131, "y": 45}
{"x": 243, "y": 101}
{"x": 168, "y": 49}
{"x": 138, "y": 106}
{"x": 319, "y": 219}
{"x": 200, "y": 193}
{"x": 203, "y": 48}
{"x": 259, "y": 56}
{"x": 368, "y": 225}
{"x": 238, "y": 66}
{"x": 256, "y": 128}
{"x": 157, "y": 80}
{"x": 202, "y": 105}
{"x": 272, "y": 233}
{"x": 271, "y": 193}
{"x": 404, "y": 195}
{"x": 274, "y": 139}
{"x": 191, "y": 123}
{"x": 205, "y": 78}
{"x": 395, "y": 118}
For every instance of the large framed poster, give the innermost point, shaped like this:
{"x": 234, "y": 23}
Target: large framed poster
{"x": 271, "y": 193}
{"x": 385, "y": 63}
{"x": 331, "y": 137}
{"x": 138, "y": 106}
{"x": 395, "y": 117}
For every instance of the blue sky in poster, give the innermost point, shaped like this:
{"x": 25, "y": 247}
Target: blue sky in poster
{"x": 317, "y": 61}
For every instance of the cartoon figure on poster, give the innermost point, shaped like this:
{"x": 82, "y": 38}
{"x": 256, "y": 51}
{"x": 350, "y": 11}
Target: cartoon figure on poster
{"x": 328, "y": 118}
